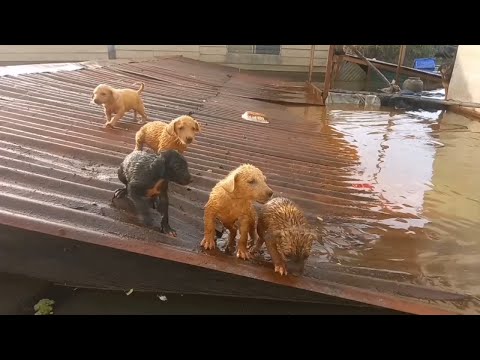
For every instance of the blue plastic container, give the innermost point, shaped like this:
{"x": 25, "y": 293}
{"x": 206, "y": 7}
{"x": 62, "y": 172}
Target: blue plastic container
{"x": 425, "y": 64}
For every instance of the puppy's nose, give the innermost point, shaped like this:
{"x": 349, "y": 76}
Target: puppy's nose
{"x": 189, "y": 140}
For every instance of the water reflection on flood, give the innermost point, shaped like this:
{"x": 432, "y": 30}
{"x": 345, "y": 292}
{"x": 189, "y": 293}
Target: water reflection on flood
{"x": 422, "y": 168}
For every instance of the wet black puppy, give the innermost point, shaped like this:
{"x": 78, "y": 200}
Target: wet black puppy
{"x": 146, "y": 178}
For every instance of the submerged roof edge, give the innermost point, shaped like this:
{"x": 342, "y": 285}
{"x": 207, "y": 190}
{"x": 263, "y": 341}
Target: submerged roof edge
{"x": 172, "y": 253}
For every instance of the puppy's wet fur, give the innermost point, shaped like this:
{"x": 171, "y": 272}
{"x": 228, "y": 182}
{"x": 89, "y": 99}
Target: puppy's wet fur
{"x": 446, "y": 71}
{"x": 231, "y": 202}
{"x": 178, "y": 134}
{"x": 146, "y": 177}
{"x": 119, "y": 102}
{"x": 283, "y": 228}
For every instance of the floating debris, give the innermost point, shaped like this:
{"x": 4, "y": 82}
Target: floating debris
{"x": 44, "y": 307}
{"x": 130, "y": 292}
{"x": 162, "y": 297}
{"x": 255, "y": 116}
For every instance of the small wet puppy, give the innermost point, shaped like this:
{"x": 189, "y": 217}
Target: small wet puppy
{"x": 283, "y": 228}
{"x": 231, "y": 202}
{"x": 177, "y": 134}
{"x": 119, "y": 102}
{"x": 146, "y": 178}
{"x": 446, "y": 71}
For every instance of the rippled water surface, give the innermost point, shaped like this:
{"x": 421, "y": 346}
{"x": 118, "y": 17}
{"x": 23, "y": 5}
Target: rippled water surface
{"x": 422, "y": 168}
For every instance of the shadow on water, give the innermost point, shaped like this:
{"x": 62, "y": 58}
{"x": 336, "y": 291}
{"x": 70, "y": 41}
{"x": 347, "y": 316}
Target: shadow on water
{"x": 420, "y": 167}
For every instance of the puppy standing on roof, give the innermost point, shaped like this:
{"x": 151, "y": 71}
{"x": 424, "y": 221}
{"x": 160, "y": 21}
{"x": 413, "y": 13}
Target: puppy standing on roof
{"x": 146, "y": 178}
{"x": 177, "y": 134}
{"x": 231, "y": 201}
{"x": 283, "y": 228}
{"x": 119, "y": 102}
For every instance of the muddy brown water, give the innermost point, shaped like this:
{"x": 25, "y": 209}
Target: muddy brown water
{"x": 421, "y": 166}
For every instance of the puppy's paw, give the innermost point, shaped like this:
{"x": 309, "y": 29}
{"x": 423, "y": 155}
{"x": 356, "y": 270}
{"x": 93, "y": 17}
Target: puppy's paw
{"x": 109, "y": 125}
{"x": 243, "y": 253}
{"x": 281, "y": 269}
{"x": 166, "y": 229}
{"x": 119, "y": 193}
{"x": 208, "y": 244}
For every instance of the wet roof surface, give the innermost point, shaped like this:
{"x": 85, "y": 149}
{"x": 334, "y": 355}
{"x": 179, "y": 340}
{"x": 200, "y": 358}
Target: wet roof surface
{"x": 58, "y": 168}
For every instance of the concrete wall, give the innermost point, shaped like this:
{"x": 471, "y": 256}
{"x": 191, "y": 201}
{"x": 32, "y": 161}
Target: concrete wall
{"x": 27, "y": 54}
{"x": 294, "y": 58}
{"x": 291, "y": 57}
{"x": 465, "y": 81}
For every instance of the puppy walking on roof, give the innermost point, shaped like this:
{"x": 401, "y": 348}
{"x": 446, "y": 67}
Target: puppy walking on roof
{"x": 146, "y": 178}
{"x": 231, "y": 201}
{"x": 119, "y": 102}
{"x": 177, "y": 134}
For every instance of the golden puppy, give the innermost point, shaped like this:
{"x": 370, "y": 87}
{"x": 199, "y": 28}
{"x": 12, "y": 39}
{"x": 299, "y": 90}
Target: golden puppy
{"x": 177, "y": 134}
{"x": 231, "y": 202}
{"x": 446, "y": 71}
{"x": 284, "y": 229}
{"x": 119, "y": 102}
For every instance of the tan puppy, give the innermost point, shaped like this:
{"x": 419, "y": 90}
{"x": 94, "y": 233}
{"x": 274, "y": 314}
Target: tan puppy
{"x": 231, "y": 202}
{"x": 177, "y": 134}
{"x": 446, "y": 71}
{"x": 283, "y": 228}
{"x": 119, "y": 102}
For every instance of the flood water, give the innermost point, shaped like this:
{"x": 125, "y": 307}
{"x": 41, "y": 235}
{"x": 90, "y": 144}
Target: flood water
{"x": 423, "y": 166}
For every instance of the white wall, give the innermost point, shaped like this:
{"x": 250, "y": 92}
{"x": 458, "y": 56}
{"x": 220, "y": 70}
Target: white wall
{"x": 291, "y": 58}
{"x": 465, "y": 81}
{"x": 21, "y": 54}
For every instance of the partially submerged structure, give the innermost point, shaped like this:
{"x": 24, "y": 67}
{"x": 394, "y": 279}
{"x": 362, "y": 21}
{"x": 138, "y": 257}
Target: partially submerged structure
{"x": 461, "y": 98}
{"x": 464, "y": 82}
{"x": 58, "y": 173}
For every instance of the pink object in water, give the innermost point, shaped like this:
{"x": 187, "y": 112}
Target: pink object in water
{"x": 363, "y": 186}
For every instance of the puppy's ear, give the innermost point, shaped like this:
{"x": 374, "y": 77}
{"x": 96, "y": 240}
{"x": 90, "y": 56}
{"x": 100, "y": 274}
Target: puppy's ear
{"x": 172, "y": 127}
{"x": 229, "y": 183}
{"x": 197, "y": 126}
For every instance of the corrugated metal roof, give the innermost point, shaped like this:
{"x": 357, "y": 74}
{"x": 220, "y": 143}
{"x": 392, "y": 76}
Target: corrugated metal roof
{"x": 58, "y": 168}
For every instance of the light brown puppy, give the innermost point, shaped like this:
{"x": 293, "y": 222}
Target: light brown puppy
{"x": 177, "y": 134}
{"x": 119, "y": 102}
{"x": 283, "y": 228}
{"x": 231, "y": 202}
{"x": 446, "y": 71}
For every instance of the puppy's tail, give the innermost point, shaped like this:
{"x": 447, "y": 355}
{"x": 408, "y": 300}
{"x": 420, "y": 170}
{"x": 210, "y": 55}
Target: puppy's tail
{"x": 142, "y": 86}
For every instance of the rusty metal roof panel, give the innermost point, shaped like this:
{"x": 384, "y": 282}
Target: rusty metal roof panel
{"x": 58, "y": 169}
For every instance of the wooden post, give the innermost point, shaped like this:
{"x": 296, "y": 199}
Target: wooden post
{"x": 312, "y": 57}
{"x": 369, "y": 77}
{"x": 112, "y": 52}
{"x": 401, "y": 59}
{"x": 328, "y": 72}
